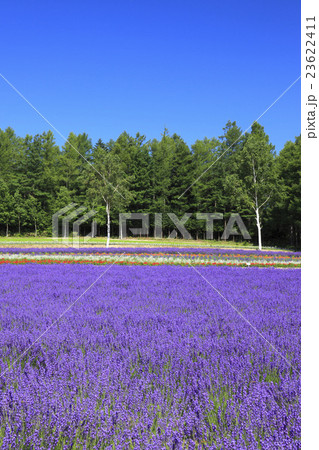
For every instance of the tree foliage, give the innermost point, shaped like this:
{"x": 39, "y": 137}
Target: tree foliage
{"x": 234, "y": 173}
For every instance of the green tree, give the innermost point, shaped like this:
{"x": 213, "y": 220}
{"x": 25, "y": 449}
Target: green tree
{"x": 256, "y": 174}
{"x": 11, "y": 156}
{"x": 285, "y": 216}
{"x": 226, "y": 171}
{"x": 234, "y": 173}
{"x": 135, "y": 157}
{"x": 19, "y": 209}
{"x": 205, "y": 184}
{"x": 76, "y": 156}
{"x": 161, "y": 165}
{"x": 107, "y": 183}
{"x": 181, "y": 176}
{"x": 35, "y": 214}
{"x": 6, "y": 206}
{"x": 63, "y": 198}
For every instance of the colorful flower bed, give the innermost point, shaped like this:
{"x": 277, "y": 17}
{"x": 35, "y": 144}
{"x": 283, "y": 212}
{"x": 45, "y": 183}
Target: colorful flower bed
{"x": 149, "y": 358}
{"x": 154, "y": 256}
{"x": 154, "y": 250}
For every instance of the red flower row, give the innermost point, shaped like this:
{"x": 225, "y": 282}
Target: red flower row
{"x": 146, "y": 263}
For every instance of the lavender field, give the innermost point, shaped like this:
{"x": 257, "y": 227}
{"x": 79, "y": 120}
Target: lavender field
{"x": 149, "y": 357}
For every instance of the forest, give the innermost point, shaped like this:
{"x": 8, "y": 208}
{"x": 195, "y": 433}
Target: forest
{"x": 234, "y": 173}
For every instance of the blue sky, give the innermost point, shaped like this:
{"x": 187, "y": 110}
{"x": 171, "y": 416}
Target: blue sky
{"x": 102, "y": 67}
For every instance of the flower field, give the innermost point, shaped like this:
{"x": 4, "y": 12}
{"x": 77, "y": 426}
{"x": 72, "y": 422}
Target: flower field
{"x": 149, "y": 357}
{"x": 151, "y": 256}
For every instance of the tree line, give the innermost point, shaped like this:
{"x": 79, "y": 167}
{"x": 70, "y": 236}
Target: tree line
{"x": 234, "y": 173}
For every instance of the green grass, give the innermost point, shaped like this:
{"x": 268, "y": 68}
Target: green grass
{"x": 142, "y": 241}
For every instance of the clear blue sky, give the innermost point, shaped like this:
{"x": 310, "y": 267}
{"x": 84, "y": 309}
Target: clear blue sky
{"x": 102, "y": 67}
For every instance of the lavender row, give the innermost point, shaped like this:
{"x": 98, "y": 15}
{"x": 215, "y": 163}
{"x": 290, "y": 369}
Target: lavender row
{"x": 149, "y": 358}
{"x": 147, "y": 250}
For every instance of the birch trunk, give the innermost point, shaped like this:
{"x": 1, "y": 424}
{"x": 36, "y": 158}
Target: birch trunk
{"x": 258, "y": 228}
{"x": 257, "y": 206}
{"x": 108, "y": 224}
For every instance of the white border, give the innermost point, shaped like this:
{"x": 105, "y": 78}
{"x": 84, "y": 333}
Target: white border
{"x": 310, "y": 247}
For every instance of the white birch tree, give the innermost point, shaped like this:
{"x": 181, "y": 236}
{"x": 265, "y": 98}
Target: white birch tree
{"x": 257, "y": 174}
{"x": 108, "y": 184}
